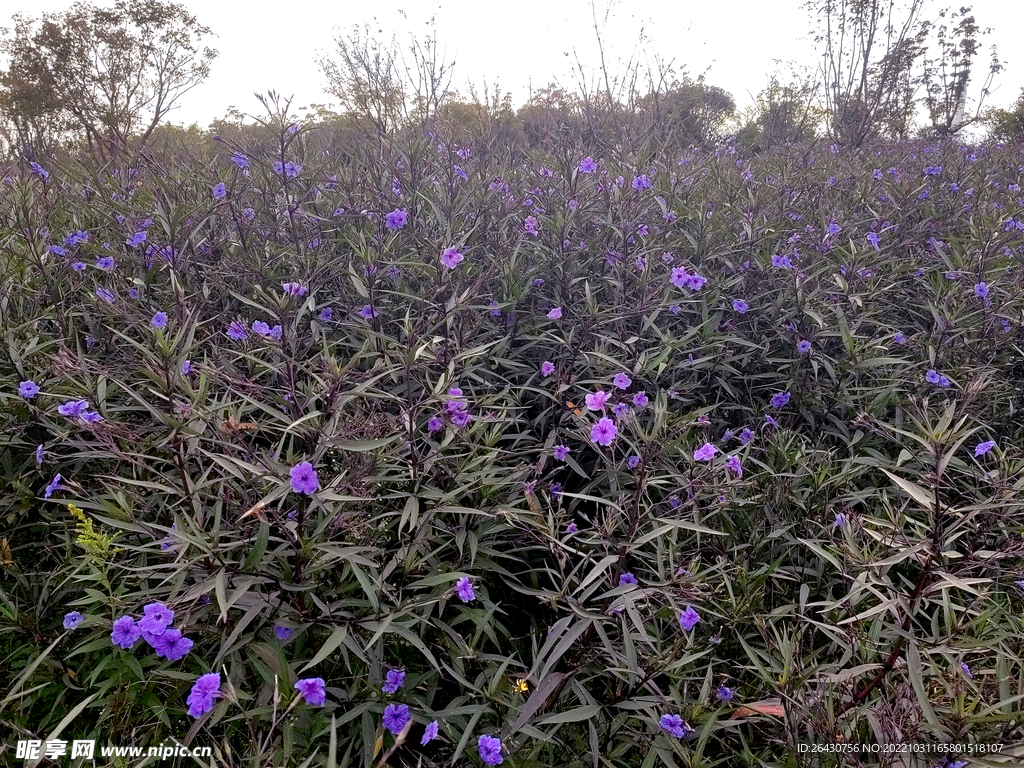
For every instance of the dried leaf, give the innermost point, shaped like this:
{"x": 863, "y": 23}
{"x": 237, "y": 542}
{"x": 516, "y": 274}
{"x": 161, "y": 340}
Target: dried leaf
{"x": 256, "y": 510}
{"x": 766, "y": 707}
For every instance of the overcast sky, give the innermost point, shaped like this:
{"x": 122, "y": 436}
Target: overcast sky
{"x": 266, "y": 45}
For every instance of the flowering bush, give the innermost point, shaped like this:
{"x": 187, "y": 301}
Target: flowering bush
{"x": 375, "y": 465}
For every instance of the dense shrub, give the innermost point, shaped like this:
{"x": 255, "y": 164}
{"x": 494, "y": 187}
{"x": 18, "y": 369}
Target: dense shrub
{"x": 342, "y": 416}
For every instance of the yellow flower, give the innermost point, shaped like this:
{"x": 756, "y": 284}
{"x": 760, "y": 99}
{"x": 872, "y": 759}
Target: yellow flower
{"x": 99, "y": 546}
{"x": 520, "y": 685}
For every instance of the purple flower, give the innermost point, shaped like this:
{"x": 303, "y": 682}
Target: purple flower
{"x": 560, "y": 452}
{"x": 434, "y": 424}
{"x": 724, "y": 693}
{"x": 137, "y": 239}
{"x": 679, "y": 276}
{"x": 395, "y": 717}
{"x": 688, "y": 619}
{"x": 547, "y": 368}
{"x": 733, "y": 465}
{"x": 368, "y": 312}
{"x": 429, "y": 733}
{"x": 451, "y": 258}
{"x": 873, "y": 239}
{"x": 28, "y": 389}
{"x": 779, "y": 399}
{"x": 489, "y": 749}
{"x": 803, "y": 346}
{"x": 240, "y": 160}
{"x": 934, "y": 377}
{"x": 125, "y": 632}
{"x": 622, "y": 381}
{"x": 833, "y": 228}
{"x": 396, "y": 219}
{"x": 899, "y": 338}
{"x": 205, "y": 689}
{"x": 596, "y": 401}
{"x": 705, "y": 453}
{"x": 304, "y": 479}
{"x": 966, "y": 669}
{"x": 290, "y": 169}
{"x": 294, "y": 289}
{"x": 78, "y": 266}
{"x": 106, "y": 263}
{"x": 39, "y": 454}
{"x": 159, "y": 320}
{"x": 981, "y": 290}
{"x": 588, "y": 165}
{"x": 283, "y": 633}
{"x": 53, "y": 486}
{"x": 461, "y": 419}
{"x": 982, "y": 448}
{"x": 641, "y": 183}
{"x": 640, "y": 400}
{"x": 156, "y": 618}
{"x": 393, "y": 680}
{"x": 555, "y": 314}
{"x": 603, "y": 432}
{"x": 740, "y": 306}
{"x": 236, "y": 330}
{"x": 219, "y": 191}
{"x": 840, "y": 520}
{"x": 73, "y": 408}
{"x": 695, "y": 282}
{"x": 186, "y": 367}
{"x": 627, "y": 578}
{"x": 465, "y": 590}
{"x": 673, "y": 725}
{"x": 171, "y": 644}
{"x": 312, "y": 690}
{"x": 73, "y": 619}
{"x": 782, "y": 262}
{"x": 106, "y": 295}
{"x": 633, "y": 461}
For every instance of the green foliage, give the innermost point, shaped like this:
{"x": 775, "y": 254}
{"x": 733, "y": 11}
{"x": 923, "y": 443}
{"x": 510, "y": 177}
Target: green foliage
{"x": 1007, "y": 124}
{"x": 781, "y": 114}
{"x": 847, "y": 548}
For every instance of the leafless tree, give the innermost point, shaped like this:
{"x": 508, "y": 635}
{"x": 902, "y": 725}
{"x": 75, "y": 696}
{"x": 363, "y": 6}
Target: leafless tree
{"x": 366, "y": 78}
{"x": 947, "y": 77}
{"x": 866, "y": 51}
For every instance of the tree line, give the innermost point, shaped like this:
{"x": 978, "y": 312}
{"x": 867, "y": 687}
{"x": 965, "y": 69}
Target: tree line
{"x": 104, "y": 80}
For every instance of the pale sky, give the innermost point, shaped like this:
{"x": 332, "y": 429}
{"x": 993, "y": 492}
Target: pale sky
{"x": 266, "y": 45}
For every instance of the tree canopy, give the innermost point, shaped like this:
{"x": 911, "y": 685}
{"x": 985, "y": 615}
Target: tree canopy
{"x": 109, "y": 74}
